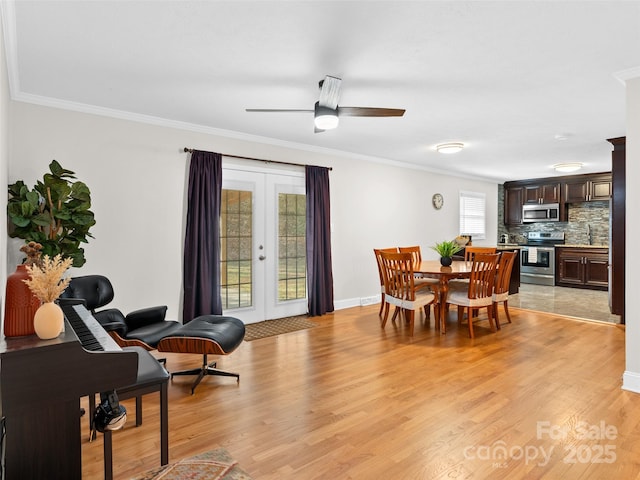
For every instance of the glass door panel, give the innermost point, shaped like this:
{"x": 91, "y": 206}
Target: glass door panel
{"x": 263, "y": 246}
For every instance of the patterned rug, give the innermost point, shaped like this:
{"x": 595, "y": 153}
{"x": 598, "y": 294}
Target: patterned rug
{"x": 214, "y": 465}
{"x": 269, "y": 328}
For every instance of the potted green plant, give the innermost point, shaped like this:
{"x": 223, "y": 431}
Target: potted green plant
{"x": 54, "y": 213}
{"x": 446, "y": 250}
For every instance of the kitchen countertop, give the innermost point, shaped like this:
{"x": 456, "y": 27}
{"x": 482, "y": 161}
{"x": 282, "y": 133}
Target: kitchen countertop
{"x": 578, "y": 245}
{"x": 512, "y": 246}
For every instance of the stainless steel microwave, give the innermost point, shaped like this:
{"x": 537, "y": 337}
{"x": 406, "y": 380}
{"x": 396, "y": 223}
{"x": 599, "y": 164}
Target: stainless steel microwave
{"x": 549, "y": 212}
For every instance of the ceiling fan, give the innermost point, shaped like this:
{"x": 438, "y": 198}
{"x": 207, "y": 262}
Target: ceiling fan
{"x": 326, "y": 111}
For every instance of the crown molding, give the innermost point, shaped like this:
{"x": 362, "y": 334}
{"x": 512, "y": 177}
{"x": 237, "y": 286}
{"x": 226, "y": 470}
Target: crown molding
{"x": 623, "y": 76}
{"x": 191, "y": 127}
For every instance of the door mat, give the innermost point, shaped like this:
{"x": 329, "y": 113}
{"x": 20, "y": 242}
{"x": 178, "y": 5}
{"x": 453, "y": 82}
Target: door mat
{"x": 269, "y": 328}
{"x": 213, "y": 465}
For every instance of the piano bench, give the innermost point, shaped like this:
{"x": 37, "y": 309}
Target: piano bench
{"x": 206, "y": 334}
{"x": 152, "y": 377}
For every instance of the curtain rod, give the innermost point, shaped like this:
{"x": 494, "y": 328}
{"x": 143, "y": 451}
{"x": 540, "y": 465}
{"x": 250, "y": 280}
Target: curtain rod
{"x": 190, "y": 150}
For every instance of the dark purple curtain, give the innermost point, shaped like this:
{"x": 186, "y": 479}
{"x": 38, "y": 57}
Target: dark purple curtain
{"x": 202, "y": 237}
{"x": 319, "y": 272}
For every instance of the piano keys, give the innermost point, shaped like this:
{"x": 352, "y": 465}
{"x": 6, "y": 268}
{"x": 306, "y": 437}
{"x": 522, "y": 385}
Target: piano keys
{"x": 88, "y": 330}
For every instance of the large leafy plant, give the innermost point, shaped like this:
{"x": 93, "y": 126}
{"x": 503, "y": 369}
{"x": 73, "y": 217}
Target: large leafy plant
{"x": 55, "y": 213}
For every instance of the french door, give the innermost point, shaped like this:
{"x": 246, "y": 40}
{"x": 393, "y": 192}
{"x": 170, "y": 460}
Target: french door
{"x": 263, "y": 247}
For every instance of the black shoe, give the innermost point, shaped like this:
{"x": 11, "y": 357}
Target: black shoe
{"x": 110, "y": 415}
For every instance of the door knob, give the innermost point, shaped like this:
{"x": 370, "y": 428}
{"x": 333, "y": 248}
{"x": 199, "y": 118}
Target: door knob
{"x": 261, "y": 257}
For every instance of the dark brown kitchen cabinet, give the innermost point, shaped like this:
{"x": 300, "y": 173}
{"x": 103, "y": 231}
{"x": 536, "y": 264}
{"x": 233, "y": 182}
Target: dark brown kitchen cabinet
{"x": 588, "y": 188}
{"x": 542, "y": 193}
{"x": 562, "y": 190}
{"x": 600, "y": 188}
{"x": 582, "y": 267}
{"x": 513, "y": 206}
{"x": 617, "y": 221}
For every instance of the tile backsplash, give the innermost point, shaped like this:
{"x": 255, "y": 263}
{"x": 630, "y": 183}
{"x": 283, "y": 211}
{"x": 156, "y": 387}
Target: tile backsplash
{"x": 583, "y": 217}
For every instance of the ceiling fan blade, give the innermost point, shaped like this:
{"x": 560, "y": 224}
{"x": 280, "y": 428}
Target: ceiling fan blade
{"x": 276, "y": 110}
{"x": 329, "y": 92}
{"x": 370, "y": 112}
{"x": 317, "y": 130}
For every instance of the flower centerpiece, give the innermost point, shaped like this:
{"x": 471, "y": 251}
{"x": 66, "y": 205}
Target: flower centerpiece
{"x": 446, "y": 250}
{"x": 47, "y": 282}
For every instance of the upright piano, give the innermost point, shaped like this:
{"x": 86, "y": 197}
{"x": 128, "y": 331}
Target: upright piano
{"x": 41, "y": 382}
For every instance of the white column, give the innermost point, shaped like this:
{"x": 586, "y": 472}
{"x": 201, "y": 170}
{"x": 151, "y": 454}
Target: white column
{"x": 631, "y": 378}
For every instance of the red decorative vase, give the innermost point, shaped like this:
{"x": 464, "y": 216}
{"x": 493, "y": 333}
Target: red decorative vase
{"x": 20, "y": 305}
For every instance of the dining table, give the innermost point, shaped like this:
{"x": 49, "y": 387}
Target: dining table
{"x": 434, "y": 269}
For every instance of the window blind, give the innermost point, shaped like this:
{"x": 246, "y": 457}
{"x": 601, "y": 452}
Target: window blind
{"x": 472, "y": 214}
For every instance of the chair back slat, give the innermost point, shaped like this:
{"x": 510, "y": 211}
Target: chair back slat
{"x": 471, "y": 252}
{"x": 503, "y": 277}
{"x": 483, "y": 274}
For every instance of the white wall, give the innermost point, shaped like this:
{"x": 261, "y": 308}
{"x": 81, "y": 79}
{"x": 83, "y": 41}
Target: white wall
{"x": 378, "y": 206}
{"x": 137, "y": 176}
{"x": 631, "y": 379}
{"x": 4, "y": 161}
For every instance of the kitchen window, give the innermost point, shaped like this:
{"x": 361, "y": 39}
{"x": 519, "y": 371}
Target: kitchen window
{"x": 472, "y": 214}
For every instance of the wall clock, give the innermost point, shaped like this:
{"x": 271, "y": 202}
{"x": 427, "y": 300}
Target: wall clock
{"x": 437, "y": 201}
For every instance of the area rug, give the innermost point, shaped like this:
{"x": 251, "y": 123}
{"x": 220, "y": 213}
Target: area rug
{"x": 269, "y": 328}
{"x": 213, "y": 465}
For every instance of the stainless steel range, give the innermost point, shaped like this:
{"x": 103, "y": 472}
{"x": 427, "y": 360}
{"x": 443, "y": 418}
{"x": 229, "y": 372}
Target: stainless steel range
{"x": 538, "y": 257}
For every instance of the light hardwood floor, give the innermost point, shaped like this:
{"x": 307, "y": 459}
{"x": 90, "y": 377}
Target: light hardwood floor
{"x": 574, "y": 302}
{"x": 348, "y": 400}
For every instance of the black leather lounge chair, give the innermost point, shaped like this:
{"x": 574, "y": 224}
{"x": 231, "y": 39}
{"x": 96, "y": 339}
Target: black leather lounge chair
{"x": 147, "y": 328}
{"x": 141, "y": 328}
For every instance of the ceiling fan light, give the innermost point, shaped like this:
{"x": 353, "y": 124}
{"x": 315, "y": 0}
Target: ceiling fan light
{"x": 453, "y": 147}
{"x": 326, "y": 122}
{"x": 325, "y": 118}
{"x": 567, "y": 167}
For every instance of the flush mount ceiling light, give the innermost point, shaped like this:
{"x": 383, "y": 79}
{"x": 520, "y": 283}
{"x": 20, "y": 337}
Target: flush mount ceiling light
{"x": 562, "y": 136}
{"x": 325, "y": 118}
{"x": 454, "y": 147}
{"x": 567, "y": 167}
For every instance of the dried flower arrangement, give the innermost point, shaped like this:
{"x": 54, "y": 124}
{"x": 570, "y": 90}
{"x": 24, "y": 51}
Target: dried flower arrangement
{"x": 47, "y": 281}
{"x": 33, "y": 251}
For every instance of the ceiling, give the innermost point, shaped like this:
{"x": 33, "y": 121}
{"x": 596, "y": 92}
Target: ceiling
{"x": 504, "y": 78}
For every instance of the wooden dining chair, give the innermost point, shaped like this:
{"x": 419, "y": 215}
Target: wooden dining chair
{"x": 416, "y": 254}
{"x": 469, "y": 255}
{"x": 471, "y": 252}
{"x": 416, "y": 257}
{"x": 479, "y": 293}
{"x": 384, "y": 306}
{"x": 501, "y": 287}
{"x": 401, "y": 289}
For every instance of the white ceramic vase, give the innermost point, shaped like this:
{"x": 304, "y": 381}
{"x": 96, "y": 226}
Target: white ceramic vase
{"x": 48, "y": 321}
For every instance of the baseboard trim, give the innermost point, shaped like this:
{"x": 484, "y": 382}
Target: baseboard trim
{"x": 631, "y": 381}
{"x": 347, "y": 303}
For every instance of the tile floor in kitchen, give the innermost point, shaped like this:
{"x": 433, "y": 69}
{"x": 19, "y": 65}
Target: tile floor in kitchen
{"x": 575, "y": 302}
